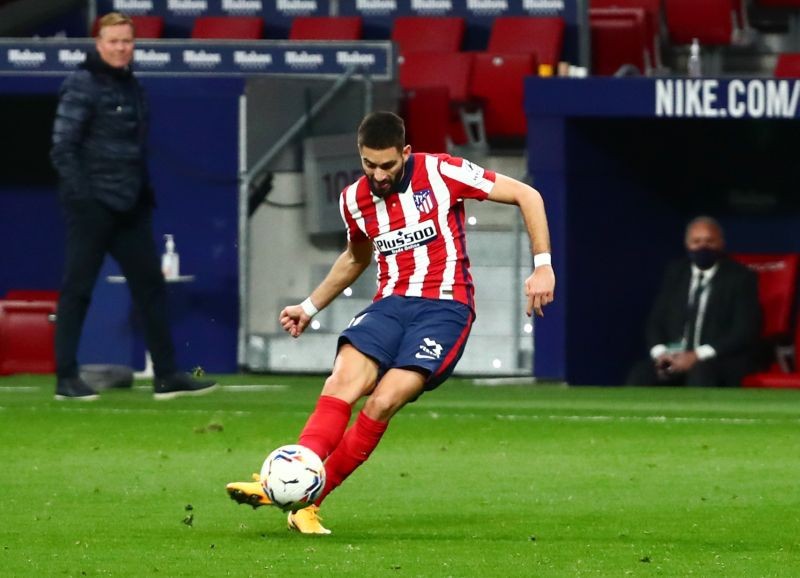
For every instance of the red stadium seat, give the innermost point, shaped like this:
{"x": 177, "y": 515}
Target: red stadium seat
{"x": 540, "y": 36}
{"x": 148, "y": 26}
{"x": 497, "y": 82}
{"x": 228, "y": 27}
{"x": 777, "y": 290}
{"x": 32, "y": 295}
{"x": 778, "y": 376}
{"x": 326, "y": 28}
{"x": 788, "y": 65}
{"x": 653, "y": 6}
{"x": 428, "y": 33}
{"x": 712, "y": 22}
{"x": 619, "y": 38}
{"x": 426, "y": 113}
{"x": 27, "y": 334}
{"x": 653, "y": 20}
{"x": 145, "y": 26}
{"x": 451, "y": 70}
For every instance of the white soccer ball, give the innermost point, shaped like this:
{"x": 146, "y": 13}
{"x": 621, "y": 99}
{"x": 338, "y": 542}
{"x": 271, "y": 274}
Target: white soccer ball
{"x": 293, "y": 477}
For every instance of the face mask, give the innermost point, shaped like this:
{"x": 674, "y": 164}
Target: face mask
{"x": 705, "y": 258}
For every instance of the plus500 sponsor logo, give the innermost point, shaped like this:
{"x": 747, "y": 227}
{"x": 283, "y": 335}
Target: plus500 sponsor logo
{"x": 744, "y": 98}
{"x": 406, "y": 238}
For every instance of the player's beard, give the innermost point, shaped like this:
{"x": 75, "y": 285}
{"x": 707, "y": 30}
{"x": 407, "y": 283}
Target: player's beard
{"x": 387, "y": 187}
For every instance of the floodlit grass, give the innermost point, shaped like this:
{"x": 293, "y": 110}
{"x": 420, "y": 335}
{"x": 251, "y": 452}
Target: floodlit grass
{"x": 469, "y": 481}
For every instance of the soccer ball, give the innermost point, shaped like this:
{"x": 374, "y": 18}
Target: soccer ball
{"x": 293, "y": 477}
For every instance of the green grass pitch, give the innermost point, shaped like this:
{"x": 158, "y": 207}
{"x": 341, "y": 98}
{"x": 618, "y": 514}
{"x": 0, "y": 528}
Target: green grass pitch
{"x": 469, "y": 481}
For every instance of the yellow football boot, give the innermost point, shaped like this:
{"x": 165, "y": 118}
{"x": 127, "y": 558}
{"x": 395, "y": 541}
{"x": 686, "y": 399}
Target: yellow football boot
{"x": 307, "y": 521}
{"x": 250, "y": 493}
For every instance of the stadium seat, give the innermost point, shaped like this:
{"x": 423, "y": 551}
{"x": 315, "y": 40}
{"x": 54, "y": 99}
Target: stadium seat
{"x": 426, "y": 111}
{"x": 32, "y": 295}
{"x": 541, "y": 36}
{"x": 145, "y": 26}
{"x": 777, "y": 291}
{"x": 653, "y": 22}
{"x": 788, "y": 65}
{"x": 325, "y": 28}
{"x": 712, "y": 22}
{"x": 27, "y": 333}
{"x": 777, "y": 288}
{"x": 497, "y": 82}
{"x": 228, "y": 27}
{"x": 777, "y": 376}
{"x": 618, "y": 39}
{"x": 655, "y": 7}
{"x": 451, "y": 70}
{"x": 428, "y": 33}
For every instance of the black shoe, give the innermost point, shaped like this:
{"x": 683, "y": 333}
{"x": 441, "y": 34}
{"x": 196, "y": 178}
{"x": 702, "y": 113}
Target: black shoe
{"x": 74, "y": 388}
{"x": 178, "y": 384}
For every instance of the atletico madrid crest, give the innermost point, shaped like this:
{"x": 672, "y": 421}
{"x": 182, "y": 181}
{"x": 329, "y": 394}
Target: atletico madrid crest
{"x": 424, "y": 201}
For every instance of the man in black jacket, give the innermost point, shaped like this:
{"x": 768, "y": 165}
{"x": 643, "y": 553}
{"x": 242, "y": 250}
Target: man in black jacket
{"x": 704, "y": 327}
{"x": 99, "y": 140}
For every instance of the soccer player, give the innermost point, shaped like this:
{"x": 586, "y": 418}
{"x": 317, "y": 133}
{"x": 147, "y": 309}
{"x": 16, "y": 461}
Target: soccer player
{"x": 408, "y": 212}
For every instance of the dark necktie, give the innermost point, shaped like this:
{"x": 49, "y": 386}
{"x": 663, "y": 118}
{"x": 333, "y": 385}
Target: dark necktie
{"x": 694, "y": 308}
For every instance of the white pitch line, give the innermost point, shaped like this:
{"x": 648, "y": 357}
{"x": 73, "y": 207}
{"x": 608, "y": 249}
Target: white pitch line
{"x": 240, "y": 388}
{"x": 657, "y": 419}
{"x": 256, "y": 387}
{"x": 88, "y": 407}
{"x": 19, "y": 388}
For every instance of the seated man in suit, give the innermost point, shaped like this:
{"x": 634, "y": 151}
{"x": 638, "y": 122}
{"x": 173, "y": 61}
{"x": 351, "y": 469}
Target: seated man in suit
{"x": 705, "y": 324}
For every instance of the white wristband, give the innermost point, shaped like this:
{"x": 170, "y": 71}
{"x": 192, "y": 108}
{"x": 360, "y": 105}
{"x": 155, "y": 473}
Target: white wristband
{"x": 541, "y": 259}
{"x": 309, "y": 308}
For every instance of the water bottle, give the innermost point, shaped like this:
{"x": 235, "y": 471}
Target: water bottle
{"x": 694, "y": 66}
{"x": 170, "y": 262}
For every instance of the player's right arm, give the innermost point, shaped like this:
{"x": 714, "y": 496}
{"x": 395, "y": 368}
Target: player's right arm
{"x": 343, "y": 273}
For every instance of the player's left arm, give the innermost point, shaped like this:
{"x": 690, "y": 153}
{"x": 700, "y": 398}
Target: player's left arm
{"x": 540, "y": 286}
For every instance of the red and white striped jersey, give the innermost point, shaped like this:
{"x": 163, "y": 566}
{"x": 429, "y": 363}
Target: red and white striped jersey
{"x": 418, "y": 234}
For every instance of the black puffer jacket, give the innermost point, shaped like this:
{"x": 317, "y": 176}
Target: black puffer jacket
{"x": 99, "y": 136}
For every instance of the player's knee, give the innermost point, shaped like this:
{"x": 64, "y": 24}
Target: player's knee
{"x": 381, "y": 406}
{"x": 344, "y": 386}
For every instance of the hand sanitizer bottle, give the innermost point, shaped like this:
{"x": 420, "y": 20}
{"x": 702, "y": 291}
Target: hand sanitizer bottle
{"x": 170, "y": 262}
{"x": 694, "y": 66}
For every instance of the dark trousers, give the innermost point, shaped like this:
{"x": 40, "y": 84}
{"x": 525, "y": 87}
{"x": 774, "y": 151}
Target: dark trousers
{"x": 94, "y": 230}
{"x": 715, "y": 372}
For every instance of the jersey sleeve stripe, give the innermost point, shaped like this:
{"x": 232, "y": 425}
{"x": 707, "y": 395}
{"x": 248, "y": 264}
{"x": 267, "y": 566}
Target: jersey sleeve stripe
{"x": 469, "y": 174}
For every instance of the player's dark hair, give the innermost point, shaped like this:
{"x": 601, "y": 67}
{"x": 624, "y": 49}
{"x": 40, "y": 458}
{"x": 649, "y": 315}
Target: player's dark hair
{"x": 382, "y": 130}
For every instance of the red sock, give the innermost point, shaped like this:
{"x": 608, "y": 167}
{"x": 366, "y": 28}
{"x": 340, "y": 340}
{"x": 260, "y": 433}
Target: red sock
{"x": 356, "y": 446}
{"x": 325, "y": 426}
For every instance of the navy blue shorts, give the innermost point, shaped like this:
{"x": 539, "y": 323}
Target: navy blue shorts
{"x": 425, "y": 335}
